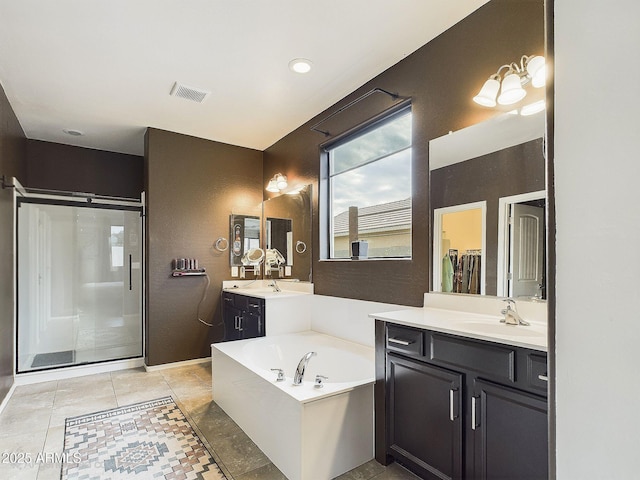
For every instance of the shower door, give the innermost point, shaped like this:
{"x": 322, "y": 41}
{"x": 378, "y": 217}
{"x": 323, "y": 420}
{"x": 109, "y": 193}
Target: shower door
{"x": 79, "y": 283}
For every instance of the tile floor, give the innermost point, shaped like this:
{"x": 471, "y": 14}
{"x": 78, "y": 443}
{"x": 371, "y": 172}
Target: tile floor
{"x": 33, "y": 422}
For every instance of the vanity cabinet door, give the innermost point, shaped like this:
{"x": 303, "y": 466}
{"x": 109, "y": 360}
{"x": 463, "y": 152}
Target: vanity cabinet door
{"x": 231, "y": 317}
{"x": 424, "y": 417}
{"x": 251, "y": 325}
{"x": 243, "y": 317}
{"x": 510, "y": 433}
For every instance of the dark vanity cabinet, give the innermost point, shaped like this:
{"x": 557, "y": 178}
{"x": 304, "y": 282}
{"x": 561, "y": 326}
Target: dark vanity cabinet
{"x": 423, "y": 400}
{"x": 457, "y": 408}
{"x": 243, "y": 316}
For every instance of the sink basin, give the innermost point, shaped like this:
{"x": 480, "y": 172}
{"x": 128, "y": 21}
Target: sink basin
{"x": 484, "y": 327}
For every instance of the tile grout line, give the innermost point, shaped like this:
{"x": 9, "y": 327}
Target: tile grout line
{"x": 203, "y": 438}
{"x": 48, "y": 431}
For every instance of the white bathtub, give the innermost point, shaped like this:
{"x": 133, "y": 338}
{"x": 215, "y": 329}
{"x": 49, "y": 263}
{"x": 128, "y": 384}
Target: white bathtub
{"x": 308, "y": 433}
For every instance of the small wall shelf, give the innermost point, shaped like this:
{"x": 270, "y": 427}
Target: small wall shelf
{"x": 188, "y": 273}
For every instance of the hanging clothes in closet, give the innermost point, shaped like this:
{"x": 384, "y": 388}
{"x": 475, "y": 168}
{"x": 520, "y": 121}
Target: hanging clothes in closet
{"x": 447, "y": 273}
{"x": 467, "y": 271}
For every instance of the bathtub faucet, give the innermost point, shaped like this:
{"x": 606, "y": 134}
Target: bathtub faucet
{"x": 297, "y": 378}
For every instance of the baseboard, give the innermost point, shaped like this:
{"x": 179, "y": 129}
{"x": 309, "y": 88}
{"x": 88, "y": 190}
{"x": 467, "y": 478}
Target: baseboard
{"x": 155, "y": 368}
{"x": 7, "y": 397}
{"x": 78, "y": 371}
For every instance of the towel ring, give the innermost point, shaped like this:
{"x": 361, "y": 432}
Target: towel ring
{"x": 222, "y": 244}
{"x": 301, "y": 247}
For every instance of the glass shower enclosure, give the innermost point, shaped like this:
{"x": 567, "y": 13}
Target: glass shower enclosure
{"x": 79, "y": 283}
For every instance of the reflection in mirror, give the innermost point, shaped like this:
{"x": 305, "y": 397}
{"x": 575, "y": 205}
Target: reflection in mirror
{"x": 287, "y": 226}
{"x": 499, "y": 158}
{"x": 279, "y": 237}
{"x": 253, "y": 256}
{"x": 244, "y": 234}
{"x": 521, "y": 243}
{"x": 460, "y": 244}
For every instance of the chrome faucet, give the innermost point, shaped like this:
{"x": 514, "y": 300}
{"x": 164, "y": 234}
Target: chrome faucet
{"x": 511, "y": 315}
{"x": 297, "y": 378}
{"x": 275, "y": 286}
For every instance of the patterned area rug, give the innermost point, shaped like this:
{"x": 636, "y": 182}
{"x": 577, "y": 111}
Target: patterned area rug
{"x": 149, "y": 440}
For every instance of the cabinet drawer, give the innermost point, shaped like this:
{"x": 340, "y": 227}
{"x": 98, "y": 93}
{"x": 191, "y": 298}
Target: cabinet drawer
{"x": 229, "y": 299}
{"x": 254, "y": 305}
{"x": 405, "y": 340}
{"x": 537, "y": 377}
{"x": 245, "y": 303}
{"x": 490, "y": 361}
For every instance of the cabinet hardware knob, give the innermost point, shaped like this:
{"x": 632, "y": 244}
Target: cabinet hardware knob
{"x": 399, "y": 341}
{"x": 543, "y": 377}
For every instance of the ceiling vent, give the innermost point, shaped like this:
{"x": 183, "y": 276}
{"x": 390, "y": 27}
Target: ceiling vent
{"x": 190, "y": 93}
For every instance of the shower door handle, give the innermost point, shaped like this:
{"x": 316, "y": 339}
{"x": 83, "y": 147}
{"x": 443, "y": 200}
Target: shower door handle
{"x": 130, "y": 276}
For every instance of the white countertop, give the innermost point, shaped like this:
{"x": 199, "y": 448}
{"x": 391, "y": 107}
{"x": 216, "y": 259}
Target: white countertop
{"x": 265, "y": 292}
{"x": 262, "y": 288}
{"x": 471, "y": 325}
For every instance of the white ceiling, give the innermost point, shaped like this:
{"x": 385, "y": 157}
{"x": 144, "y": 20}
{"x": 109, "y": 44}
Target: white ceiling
{"x": 106, "y": 67}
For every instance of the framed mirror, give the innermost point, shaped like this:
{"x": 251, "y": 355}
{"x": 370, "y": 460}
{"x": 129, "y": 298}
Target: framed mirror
{"x": 244, "y": 232}
{"x": 499, "y": 162}
{"x": 287, "y": 234}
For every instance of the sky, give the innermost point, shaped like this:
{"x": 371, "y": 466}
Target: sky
{"x": 384, "y": 180}
{"x": 379, "y": 182}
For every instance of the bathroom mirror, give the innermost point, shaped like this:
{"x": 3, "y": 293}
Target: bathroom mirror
{"x": 287, "y": 231}
{"x": 244, "y": 232}
{"x": 499, "y": 162}
{"x": 279, "y": 238}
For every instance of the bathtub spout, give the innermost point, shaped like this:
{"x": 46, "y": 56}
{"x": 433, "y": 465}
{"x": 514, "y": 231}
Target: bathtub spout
{"x": 297, "y": 378}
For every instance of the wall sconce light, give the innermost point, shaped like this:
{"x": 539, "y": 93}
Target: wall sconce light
{"x": 277, "y": 183}
{"x": 531, "y": 69}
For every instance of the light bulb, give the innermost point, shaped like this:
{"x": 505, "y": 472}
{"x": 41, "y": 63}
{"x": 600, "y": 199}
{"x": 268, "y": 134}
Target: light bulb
{"x": 537, "y": 71}
{"x": 487, "y": 95}
{"x": 272, "y": 187}
{"x": 281, "y": 181}
{"x": 512, "y": 90}
{"x": 532, "y": 108}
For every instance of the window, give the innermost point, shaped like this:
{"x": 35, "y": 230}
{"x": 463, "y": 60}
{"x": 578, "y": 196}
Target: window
{"x": 369, "y": 189}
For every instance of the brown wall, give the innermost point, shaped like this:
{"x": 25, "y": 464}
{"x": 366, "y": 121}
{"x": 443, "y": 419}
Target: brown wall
{"x": 54, "y": 166}
{"x": 12, "y": 164}
{"x": 514, "y": 170}
{"x": 192, "y": 186}
{"x": 441, "y": 79}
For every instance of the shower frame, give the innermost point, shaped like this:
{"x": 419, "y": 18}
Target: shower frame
{"x": 82, "y": 200}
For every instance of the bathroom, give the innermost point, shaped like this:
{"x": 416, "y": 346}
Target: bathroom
{"x": 194, "y": 184}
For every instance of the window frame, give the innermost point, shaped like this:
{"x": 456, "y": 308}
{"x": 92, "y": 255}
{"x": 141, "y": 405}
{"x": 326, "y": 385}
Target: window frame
{"x": 325, "y": 202}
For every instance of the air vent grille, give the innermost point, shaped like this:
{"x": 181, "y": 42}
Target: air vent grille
{"x": 190, "y": 93}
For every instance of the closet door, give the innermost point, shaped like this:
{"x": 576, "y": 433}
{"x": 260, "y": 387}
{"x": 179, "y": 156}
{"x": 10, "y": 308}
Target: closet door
{"x": 79, "y": 284}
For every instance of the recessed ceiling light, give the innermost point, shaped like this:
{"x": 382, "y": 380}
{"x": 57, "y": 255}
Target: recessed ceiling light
{"x": 72, "y": 132}
{"x": 300, "y": 65}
